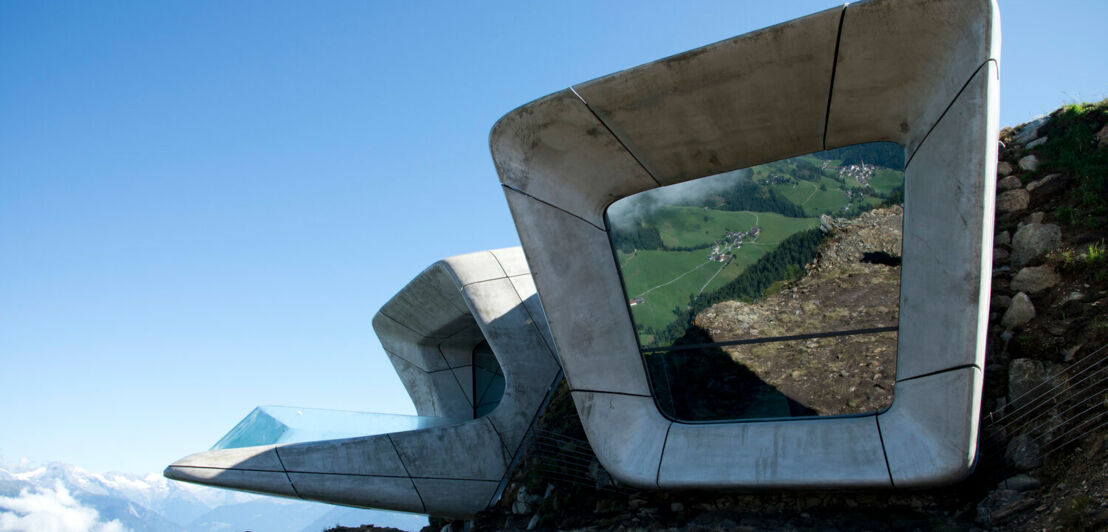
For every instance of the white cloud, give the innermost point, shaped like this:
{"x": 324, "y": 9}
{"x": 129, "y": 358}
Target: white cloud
{"x": 51, "y": 510}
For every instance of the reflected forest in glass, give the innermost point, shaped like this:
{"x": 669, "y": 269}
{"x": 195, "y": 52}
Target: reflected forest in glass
{"x": 770, "y": 291}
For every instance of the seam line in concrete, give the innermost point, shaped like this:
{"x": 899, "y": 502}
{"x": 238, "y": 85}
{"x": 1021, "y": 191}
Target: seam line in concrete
{"x": 884, "y": 452}
{"x": 417, "y": 366}
{"x": 286, "y": 470}
{"x": 450, "y": 368}
{"x": 502, "y": 268}
{"x": 499, "y": 438}
{"x": 834, "y": 67}
{"x": 409, "y": 473}
{"x": 503, "y": 483}
{"x": 367, "y": 475}
{"x": 461, "y": 387}
{"x": 614, "y": 136}
{"x": 551, "y": 205}
{"x": 955, "y": 368}
{"x": 406, "y": 326}
{"x": 471, "y": 283}
{"x": 662, "y": 456}
{"x": 534, "y": 324}
{"x": 945, "y": 111}
{"x": 609, "y": 392}
{"x": 232, "y": 469}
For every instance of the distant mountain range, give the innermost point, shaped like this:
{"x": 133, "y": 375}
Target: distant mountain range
{"x": 61, "y": 496}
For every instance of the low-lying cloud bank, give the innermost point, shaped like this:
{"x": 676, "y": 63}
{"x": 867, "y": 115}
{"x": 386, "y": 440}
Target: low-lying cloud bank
{"x": 51, "y": 510}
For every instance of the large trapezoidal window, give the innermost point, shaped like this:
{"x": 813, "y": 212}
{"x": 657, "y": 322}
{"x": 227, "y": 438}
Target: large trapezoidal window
{"x": 768, "y": 292}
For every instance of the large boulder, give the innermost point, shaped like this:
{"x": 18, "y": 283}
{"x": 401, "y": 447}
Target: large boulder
{"x": 1030, "y": 130}
{"x": 1034, "y": 279}
{"x": 1032, "y": 240}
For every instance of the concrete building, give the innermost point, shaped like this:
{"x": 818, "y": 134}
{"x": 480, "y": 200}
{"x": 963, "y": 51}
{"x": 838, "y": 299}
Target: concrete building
{"x": 920, "y": 73}
{"x": 469, "y": 340}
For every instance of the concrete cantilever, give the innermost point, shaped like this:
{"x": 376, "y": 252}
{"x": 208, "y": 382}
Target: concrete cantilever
{"x": 921, "y": 73}
{"x": 430, "y": 331}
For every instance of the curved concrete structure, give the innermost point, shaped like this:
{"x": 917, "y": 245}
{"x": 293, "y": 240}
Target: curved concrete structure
{"x": 457, "y": 456}
{"x": 921, "y": 73}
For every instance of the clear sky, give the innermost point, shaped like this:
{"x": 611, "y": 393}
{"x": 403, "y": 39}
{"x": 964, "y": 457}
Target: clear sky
{"x": 203, "y": 204}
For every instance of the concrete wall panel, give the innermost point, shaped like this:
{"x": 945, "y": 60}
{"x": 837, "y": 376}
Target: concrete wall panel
{"x": 724, "y": 106}
{"x": 627, "y": 434}
{"x": 456, "y": 497}
{"x": 394, "y": 493}
{"x": 583, "y": 297}
{"x": 473, "y": 268}
{"x": 372, "y": 455}
{"x": 556, "y": 151}
{"x": 470, "y": 450}
{"x": 266, "y": 482}
{"x": 901, "y": 63}
{"x": 828, "y": 453}
{"x": 947, "y": 266}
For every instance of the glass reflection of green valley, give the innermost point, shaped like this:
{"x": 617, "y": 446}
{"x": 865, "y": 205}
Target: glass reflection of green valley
{"x": 777, "y": 273}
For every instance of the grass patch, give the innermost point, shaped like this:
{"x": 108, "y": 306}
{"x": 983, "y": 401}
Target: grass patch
{"x": 1094, "y": 255}
{"x": 1072, "y": 149}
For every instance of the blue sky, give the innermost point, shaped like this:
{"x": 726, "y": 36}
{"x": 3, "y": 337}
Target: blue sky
{"x": 202, "y": 205}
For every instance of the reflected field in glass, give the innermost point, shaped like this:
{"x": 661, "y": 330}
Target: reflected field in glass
{"x": 785, "y": 277}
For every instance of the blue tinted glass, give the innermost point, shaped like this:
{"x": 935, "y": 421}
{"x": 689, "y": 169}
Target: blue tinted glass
{"x": 268, "y": 425}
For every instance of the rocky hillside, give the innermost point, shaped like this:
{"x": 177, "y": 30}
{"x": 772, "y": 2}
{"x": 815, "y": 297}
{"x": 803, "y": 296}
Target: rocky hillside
{"x": 1045, "y": 417}
{"x": 854, "y": 283}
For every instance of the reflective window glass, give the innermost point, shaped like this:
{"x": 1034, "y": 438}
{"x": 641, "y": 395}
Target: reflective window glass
{"x": 770, "y": 291}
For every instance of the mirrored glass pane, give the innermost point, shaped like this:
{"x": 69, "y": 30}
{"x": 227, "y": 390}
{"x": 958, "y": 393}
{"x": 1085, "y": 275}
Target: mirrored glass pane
{"x": 805, "y": 247}
{"x": 488, "y": 380}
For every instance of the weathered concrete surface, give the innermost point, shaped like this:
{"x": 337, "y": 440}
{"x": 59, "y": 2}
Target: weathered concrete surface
{"x": 919, "y": 73}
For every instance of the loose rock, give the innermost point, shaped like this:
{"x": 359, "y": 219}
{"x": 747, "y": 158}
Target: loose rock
{"x": 1023, "y": 453}
{"x": 1004, "y": 168}
{"x": 1000, "y": 255}
{"x": 1029, "y": 163}
{"x": 1040, "y": 182}
{"x": 1003, "y": 239}
{"x": 1013, "y": 200}
{"x": 1020, "y": 483}
{"x": 1019, "y": 312}
{"x": 1032, "y": 240}
{"x": 1009, "y": 183}
{"x": 1102, "y": 136}
{"x": 1036, "y": 143}
{"x": 1034, "y": 279}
